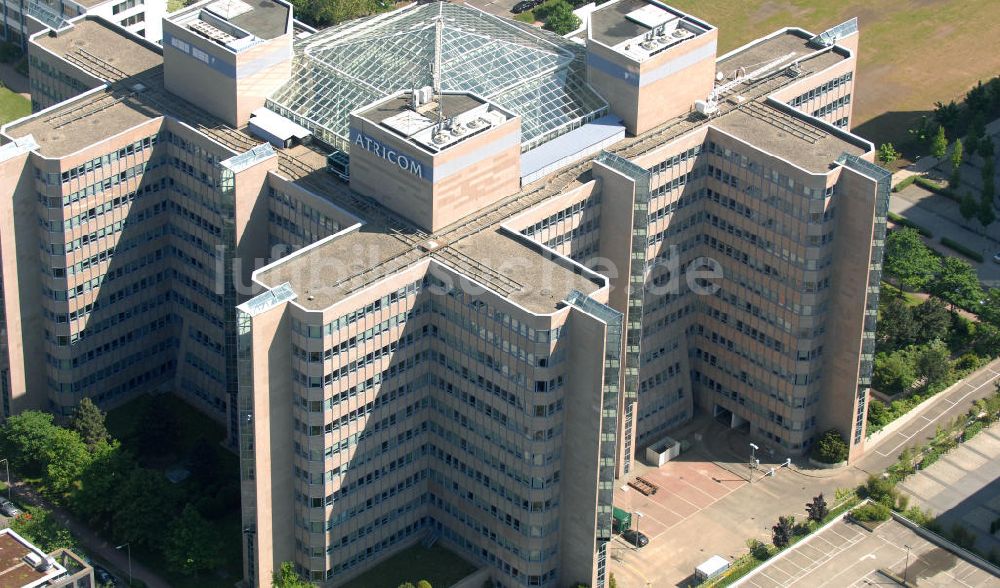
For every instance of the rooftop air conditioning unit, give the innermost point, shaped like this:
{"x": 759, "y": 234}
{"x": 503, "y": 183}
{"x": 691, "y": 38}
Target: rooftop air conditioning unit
{"x": 440, "y": 138}
{"x": 425, "y": 93}
{"x": 37, "y": 561}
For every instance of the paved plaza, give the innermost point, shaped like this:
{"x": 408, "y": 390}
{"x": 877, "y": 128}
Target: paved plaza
{"x": 847, "y": 555}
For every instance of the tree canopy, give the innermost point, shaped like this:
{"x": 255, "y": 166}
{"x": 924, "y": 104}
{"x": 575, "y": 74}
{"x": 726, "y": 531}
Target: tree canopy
{"x": 909, "y": 260}
{"x": 957, "y": 282}
{"x": 287, "y": 577}
{"x": 88, "y": 421}
{"x": 558, "y": 17}
{"x": 192, "y": 545}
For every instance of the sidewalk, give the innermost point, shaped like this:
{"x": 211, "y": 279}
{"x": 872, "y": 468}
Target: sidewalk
{"x": 95, "y": 545}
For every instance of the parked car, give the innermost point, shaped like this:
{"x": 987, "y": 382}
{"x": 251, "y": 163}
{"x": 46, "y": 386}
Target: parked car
{"x": 8, "y": 508}
{"x": 635, "y": 537}
{"x": 523, "y": 6}
{"x": 996, "y": 258}
{"x": 104, "y": 578}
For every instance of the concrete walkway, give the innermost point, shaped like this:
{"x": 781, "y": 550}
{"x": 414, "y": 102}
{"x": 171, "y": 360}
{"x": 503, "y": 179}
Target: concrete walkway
{"x": 95, "y": 545}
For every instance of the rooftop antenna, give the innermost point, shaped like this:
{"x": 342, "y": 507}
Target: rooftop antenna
{"x": 438, "y": 34}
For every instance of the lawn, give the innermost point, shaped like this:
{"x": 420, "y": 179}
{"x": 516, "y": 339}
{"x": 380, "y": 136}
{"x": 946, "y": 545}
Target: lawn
{"x": 901, "y": 42}
{"x": 12, "y": 106}
{"x": 437, "y": 565}
{"x": 123, "y": 424}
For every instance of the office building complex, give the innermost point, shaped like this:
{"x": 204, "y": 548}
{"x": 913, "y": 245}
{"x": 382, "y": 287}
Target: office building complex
{"x": 534, "y": 256}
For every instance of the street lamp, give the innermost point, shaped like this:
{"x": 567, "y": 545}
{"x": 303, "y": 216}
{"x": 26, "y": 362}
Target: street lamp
{"x": 753, "y": 459}
{"x": 906, "y": 568}
{"x": 128, "y": 546}
{"x": 6, "y": 465}
{"x": 639, "y": 516}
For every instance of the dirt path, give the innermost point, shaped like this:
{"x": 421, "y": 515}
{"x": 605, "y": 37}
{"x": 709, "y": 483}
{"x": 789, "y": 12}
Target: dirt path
{"x": 95, "y": 545}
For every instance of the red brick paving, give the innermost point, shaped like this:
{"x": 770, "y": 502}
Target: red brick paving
{"x": 685, "y": 488}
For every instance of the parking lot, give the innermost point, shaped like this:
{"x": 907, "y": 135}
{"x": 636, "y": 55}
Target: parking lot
{"x": 497, "y": 7}
{"x": 846, "y": 554}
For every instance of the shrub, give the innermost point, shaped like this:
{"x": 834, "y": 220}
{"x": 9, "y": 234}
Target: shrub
{"x": 973, "y": 430}
{"x": 831, "y": 448}
{"x": 871, "y": 512}
{"x": 880, "y": 490}
{"x": 935, "y": 187}
{"x": 961, "y": 249}
{"x": 918, "y": 516}
{"x": 905, "y": 222}
{"x": 968, "y": 362}
{"x": 962, "y": 537}
{"x": 781, "y": 533}
{"x": 758, "y": 550}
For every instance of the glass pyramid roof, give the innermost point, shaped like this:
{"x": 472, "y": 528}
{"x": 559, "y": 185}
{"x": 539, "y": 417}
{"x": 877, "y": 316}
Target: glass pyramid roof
{"x": 536, "y": 74}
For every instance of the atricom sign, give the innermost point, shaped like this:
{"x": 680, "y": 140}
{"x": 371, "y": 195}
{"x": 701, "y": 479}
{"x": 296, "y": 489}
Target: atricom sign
{"x": 401, "y": 160}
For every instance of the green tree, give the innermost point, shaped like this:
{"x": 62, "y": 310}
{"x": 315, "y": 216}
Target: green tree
{"x": 144, "y": 506}
{"x": 977, "y": 129}
{"x": 39, "y": 526}
{"x": 986, "y": 148}
{"x": 956, "y": 165}
{"x": 424, "y": 584}
{"x": 933, "y": 364}
{"x": 559, "y": 17}
{"x": 985, "y": 214}
{"x": 894, "y": 373}
{"x": 957, "y": 282}
{"x": 287, "y": 577}
{"x": 192, "y": 545}
{"x": 66, "y": 457}
{"x": 830, "y": 448}
{"x": 88, "y": 421}
{"x": 110, "y": 466}
{"x": 968, "y": 207}
{"x": 933, "y": 320}
{"x": 990, "y": 309}
{"x": 887, "y": 153}
{"x": 909, "y": 260}
{"x": 947, "y": 115}
{"x": 25, "y": 437}
{"x": 896, "y": 327}
{"x": 939, "y": 144}
{"x": 817, "y": 509}
{"x": 781, "y": 533}
{"x": 987, "y": 340}
{"x": 612, "y": 583}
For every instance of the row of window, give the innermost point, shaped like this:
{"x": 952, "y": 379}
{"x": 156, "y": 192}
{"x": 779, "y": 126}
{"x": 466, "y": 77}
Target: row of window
{"x": 579, "y": 207}
{"x": 838, "y": 103}
{"x": 821, "y": 90}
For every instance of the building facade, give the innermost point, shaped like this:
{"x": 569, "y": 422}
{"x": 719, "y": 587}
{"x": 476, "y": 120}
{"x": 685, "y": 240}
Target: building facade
{"x": 446, "y": 348}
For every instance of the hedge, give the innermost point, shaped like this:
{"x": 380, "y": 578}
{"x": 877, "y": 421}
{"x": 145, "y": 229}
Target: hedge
{"x": 961, "y": 249}
{"x": 905, "y": 222}
{"x": 904, "y": 183}
{"x": 936, "y": 188}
